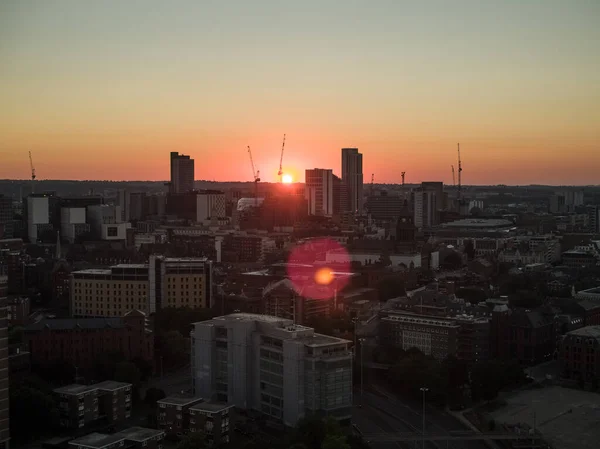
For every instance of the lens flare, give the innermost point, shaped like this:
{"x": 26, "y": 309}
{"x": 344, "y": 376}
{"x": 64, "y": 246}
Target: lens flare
{"x": 287, "y": 179}
{"x": 319, "y": 268}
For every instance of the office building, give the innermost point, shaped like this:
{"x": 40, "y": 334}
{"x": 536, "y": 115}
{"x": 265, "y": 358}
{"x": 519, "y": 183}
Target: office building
{"x": 73, "y": 223}
{"x": 38, "y": 216}
{"x": 566, "y": 201}
{"x": 352, "y": 178}
{"x": 105, "y": 222}
{"x": 319, "y": 192}
{"x": 4, "y": 381}
{"x": 384, "y": 207}
{"x": 424, "y": 208}
{"x": 210, "y": 204}
{"x": 133, "y": 205}
{"x": 182, "y": 173}
{"x": 163, "y": 282}
{"x": 6, "y": 217}
{"x": 437, "y": 187}
{"x": 271, "y": 365}
{"x": 79, "y": 341}
{"x": 131, "y": 438}
{"x": 80, "y": 405}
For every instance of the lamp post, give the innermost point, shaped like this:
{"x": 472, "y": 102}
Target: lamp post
{"x": 424, "y": 390}
{"x": 361, "y": 340}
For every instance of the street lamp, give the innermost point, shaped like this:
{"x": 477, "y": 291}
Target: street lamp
{"x": 424, "y": 390}
{"x": 361, "y": 340}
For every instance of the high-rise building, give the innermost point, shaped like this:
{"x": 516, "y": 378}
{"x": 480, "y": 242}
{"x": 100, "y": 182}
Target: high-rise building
{"x": 4, "y": 386}
{"x": 319, "y": 191}
{"x": 182, "y": 173}
{"x": 352, "y": 178}
{"x": 284, "y": 370}
{"x": 424, "y": 208}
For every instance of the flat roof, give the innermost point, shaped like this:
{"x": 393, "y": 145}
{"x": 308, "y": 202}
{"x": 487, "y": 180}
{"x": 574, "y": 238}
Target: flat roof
{"x": 130, "y": 265}
{"x": 75, "y": 389}
{"x": 97, "y": 440}
{"x": 316, "y": 340}
{"x": 111, "y": 385}
{"x": 587, "y": 331}
{"x": 594, "y": 290}
{"x": 210, "y": 406}
{"x": 179, "y": 400}
{"x": 139, "y": 434}
{"x": 93, "y": 271}
{"x": 481, "y": 223}
{"x": 250, "y": 317}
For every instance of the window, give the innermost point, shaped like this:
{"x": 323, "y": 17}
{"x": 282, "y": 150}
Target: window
{"x": 112, "y": 231}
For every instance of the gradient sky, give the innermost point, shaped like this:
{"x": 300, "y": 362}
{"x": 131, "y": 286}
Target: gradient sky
{"x": 102, "y": 89}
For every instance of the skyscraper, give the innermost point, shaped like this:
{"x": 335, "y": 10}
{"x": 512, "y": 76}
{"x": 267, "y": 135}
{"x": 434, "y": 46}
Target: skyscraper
{"x": 318, "y": 191}
{"x": 4, "y": 423}
{"x": 352, "y": 178}
{"x": 182, "y": 173}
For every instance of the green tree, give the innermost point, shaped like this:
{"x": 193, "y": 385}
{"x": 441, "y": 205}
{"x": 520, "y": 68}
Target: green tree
{"x": 29, "y": 405}
{"x": 172, "y": 347}
{"x": 335, "y": 442}
{"x": 127, "y": 372}
{"x": 106, "y": 364}
{"x": 153, "y": 395}
{"x": 390, "y": 287}
{"x": 144, "y": 366}
{"x": 194, "y": 440}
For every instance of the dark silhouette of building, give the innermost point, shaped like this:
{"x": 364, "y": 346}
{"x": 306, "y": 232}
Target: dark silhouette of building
{"x": 182, "y": 173}
{"x": 578, "y": 357}
{"x": 4, "y": 384}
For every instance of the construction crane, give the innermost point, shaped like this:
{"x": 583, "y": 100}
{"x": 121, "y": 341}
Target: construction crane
{"x": 280, "y": 172}
{"x": 256, "y": 176}
{"x": 453, "y": 177}
{"x": 459, "y": 175}
{"x": 403, "y": 174}
{"x": 32, "y": 173}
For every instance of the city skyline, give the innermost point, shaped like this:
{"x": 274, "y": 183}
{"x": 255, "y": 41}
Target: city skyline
{"x": 107, "y": 90}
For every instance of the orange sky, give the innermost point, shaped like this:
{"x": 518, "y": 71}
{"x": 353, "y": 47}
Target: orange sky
{"x": 99, "y": 91}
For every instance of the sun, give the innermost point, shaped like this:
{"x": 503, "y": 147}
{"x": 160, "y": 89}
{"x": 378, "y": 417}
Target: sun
{"x": 287, "y": 179}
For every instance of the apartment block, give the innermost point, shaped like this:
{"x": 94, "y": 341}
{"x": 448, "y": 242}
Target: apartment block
{"x": 82, "y": 404}
{"x": 271, "y": 365}
{"x": 131, "y": 438}
{"x": 212, "y": 419}
{"x": 163, "y": 282}
{"x": 579, "y": 357}
{"x": 174, "y": 413}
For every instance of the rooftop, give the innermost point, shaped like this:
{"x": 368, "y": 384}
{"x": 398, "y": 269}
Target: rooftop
{"x": 316, "y": 340}
{"x": 587, "y": 331}
{"x": 593, "y": 291}
{"x": 139, "y": 434}
{"x": 97, "y": 440}
{"x": 73, "y": 323}
{"x": 210, "y": 406}
{"x": 101, "y": 271}
{"x": 179, "y": 399}
{"x": 111, "y": 385}
{"x": 251, "y": 317}
{"x": 75, "y": 389}
{"x": 479, "y": 223}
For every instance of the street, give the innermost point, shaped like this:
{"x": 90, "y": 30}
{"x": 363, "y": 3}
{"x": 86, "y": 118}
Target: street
{"x": 381, "y": 413}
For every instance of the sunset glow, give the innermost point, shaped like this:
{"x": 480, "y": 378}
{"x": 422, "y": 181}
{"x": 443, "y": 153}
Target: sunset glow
{"x": 287, "y": 179}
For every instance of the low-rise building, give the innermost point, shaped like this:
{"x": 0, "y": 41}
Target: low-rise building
{"x": 114, "y": 400}
{"x": 579, "y": 357}
{"x": 212, "y": 419}
{"x": 174, "y": 413}
{"x": 18, "y": 310}
{"x": 131, "y": 438}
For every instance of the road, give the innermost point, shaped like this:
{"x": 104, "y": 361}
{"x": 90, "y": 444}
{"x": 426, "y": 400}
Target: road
{"x": 382, "y": 413}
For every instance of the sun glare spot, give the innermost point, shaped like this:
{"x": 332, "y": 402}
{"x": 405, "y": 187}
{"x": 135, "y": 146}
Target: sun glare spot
{"x": 287, "y": 179}
{"x": 324, "y": 276}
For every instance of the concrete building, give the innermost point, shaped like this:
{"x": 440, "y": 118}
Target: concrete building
{"x": 212, "y": 419}
{"x": 425, "y": 208}
{"x": 6, "y": 217}
{"x": 273, "y": 366}
{"x": 105, "y": 222}
{"x": 566, "y": 201}
{"x": 38, "y": 216}
{"x": 578, "y": 357}
{"x": 352, "y": 179}
{"x": 131, "y": 438}
{"x": 210, "y": 204}
{"x": 182, "y": 173}
{"x": 80, "y": 405}
{"x": 163, "y": 282}
{"x": 73, "y": 223}
{"x": 319, "y": 191}
{"x": 173, "y": 415}
{"x": 4, "y": 382}
{"x": 385, "y": 207}
{"x": 81, "y": 341}
{"x": 133, "y": 205}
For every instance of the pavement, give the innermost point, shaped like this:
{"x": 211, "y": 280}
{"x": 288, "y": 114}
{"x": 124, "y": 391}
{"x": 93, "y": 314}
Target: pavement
{"x": 382, "y": 413}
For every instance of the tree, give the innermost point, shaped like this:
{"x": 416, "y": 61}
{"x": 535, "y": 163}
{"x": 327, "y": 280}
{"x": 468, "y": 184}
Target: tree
{"x": 144, "y": 366}
{"x": 29, "y": 405}
{"x": 172, "y": 348}
{"x": 335, "y": 442}
{"x": 194, "y": 440}
{"x": 106, "y": 364}
{"x": 127, "y": 372}
{"x": 153, "y": 395}
{"x": 391, "y": 287}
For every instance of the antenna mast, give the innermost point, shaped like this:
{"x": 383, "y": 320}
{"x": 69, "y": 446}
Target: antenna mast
{"x": 372, "y": 181}
{"x": 403, "y": 173}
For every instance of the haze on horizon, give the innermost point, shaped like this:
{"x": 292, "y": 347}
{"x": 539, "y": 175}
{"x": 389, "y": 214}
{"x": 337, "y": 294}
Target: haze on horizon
{"x": 106, "y": 89}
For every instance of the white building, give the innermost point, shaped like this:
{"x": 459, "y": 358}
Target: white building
{"x": 412, "y": 260}
{"x": 73, "y": 223}
{"x": 210, "y": 203}
{"x": 106, "y": 223}
{"x": 38, "y": 216}
{"x": 273, "y": 366}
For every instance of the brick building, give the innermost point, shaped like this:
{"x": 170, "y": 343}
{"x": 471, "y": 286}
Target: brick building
{"x": 80, "y": 341}
{"x": 213, "y": 419}
{"x": 579, "y": 357}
